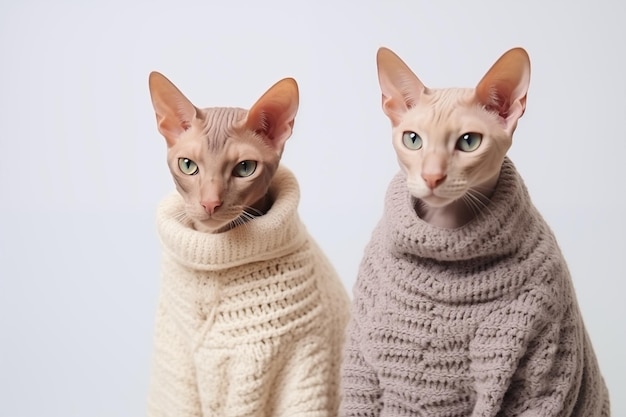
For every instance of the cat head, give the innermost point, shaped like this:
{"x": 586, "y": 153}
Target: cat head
{"x": 451, "y": 142}
{"x": 223, "y": 159}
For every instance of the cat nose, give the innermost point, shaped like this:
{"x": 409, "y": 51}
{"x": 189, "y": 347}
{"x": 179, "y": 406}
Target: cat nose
{"x": 433, "y": 180}
{"x": 211, "y": 205}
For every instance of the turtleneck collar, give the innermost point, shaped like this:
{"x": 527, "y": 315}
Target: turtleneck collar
{"x": 492, "y": 255}
{"x": 276, "y": 233}
{"x": 492, "y": 233}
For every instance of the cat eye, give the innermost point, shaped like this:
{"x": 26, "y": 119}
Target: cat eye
{"x": 244, "y": 169}
{"x": 187, "y": 166}
{"x": 412, "y": 140}
{"x": 469, "y": 142}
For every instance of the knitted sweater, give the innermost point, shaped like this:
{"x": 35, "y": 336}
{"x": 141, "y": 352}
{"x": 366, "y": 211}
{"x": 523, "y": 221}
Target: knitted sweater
{"x": 250, "y": 322}
{"x": 481, "y": 320}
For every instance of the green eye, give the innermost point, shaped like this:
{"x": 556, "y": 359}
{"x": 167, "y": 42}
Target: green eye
{"x": 412, "y": 140}
{"x": 244, "y": 169}
{"x": 469, "y": 142}
{"x": 187, "y": 166}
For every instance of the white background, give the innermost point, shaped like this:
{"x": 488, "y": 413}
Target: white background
{"x": 82, "y": 165}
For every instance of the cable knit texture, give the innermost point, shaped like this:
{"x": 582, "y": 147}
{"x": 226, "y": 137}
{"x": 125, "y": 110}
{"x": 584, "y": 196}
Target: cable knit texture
{"x": 476, "y": 321}
{"x": 250, "y": 322}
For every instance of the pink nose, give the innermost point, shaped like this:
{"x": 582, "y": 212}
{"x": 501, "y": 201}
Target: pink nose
{"x": 433, "y": 180}
{"x": 211, "y": 206}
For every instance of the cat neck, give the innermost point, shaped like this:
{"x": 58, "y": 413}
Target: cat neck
{"x": 459, "y": 212}
{"x": 452, "y": 216}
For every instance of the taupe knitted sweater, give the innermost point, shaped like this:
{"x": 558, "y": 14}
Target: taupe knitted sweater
{"x": 250, "y": 322}
{"x": 476, "y": 321}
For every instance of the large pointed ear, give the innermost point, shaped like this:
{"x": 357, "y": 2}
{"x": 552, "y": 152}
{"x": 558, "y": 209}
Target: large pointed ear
{"x": 400, "y": 87}
{"x": 503, "y": 89}
{"x": 272, "y": 116}
{"x": 174, "y": 112}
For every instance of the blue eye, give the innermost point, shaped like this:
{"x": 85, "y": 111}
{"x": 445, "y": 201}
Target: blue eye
{"x": 469, "y": 142}
{"x": 187, "y": 166}
{"x": 412, "y": 140}
{"x": 244, "y": 169}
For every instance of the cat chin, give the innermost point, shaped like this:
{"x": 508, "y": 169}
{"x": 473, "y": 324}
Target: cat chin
{"x": 433, "y": 201}
{"x": 212, "y": 225}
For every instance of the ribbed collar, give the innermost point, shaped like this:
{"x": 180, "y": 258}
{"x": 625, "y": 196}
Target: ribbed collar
{"x": 274, "y": 234}
{"x": 494, "y": 232}
{"x": 492, "y": 255}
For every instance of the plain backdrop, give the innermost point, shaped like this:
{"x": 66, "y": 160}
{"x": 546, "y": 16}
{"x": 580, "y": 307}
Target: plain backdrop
{"x": 82, "y": 166}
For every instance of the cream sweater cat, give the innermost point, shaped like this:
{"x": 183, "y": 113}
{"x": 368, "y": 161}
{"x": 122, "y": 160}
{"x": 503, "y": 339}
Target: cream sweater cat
{"x": 476, "y": 321}
{"x": 250, "y": 321}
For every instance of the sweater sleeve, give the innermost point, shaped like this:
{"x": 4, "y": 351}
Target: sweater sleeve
{"x": 361, "y": 395}
{"x": 173, "y": 390}
{"x": 557, "y": 376}
{"x": 548, "y": 377}
{"x": 360, "y": 388}
{"x": 525, "y": 358}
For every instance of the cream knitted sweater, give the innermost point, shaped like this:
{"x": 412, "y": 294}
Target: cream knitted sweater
{"x": 477, "y": 321}
{"x": 250, "y": 322}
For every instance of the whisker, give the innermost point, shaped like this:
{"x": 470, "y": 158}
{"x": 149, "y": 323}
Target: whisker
{"x": 251, "y": 211}
{"x": 476, "y": 201}
{"x": 246, "y": 214}
{"x": 182, "y": 217}
{"x": 469, "y": 202}
{"x": 244, "y": 217}
{"x": 244, "y": 223}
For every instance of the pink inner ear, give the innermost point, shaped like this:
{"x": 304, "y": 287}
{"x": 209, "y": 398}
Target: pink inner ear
{"x": 497, "y": 100}
{"x": 401, "y": 89}
{"x": 503, "y": 98}
{"x": 272, "y": 116}
{"x": 503, "y": 88}
{"x": 274, "y": 128}
{"x": 174, "y": 112}
{"x": 174, "y": 125}
{"x": 262, "y": 124}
